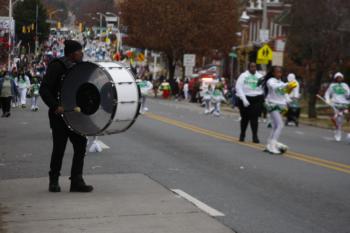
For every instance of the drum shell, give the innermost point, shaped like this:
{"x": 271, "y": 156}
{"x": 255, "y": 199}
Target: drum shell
{"x": 118, "y": 93}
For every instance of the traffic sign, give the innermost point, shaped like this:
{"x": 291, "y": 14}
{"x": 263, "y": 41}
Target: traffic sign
{"x": 189, "y": 60}
{"x": 233, "y": 55}
{"x": 277, "y": 59}
{"x": 264, "y": 55}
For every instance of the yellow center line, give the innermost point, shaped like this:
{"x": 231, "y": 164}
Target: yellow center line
{"x": 289, "y": 154}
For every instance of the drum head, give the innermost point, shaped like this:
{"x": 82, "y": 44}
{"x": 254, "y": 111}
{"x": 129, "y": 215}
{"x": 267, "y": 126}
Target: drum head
{"x": 90, "y": 88}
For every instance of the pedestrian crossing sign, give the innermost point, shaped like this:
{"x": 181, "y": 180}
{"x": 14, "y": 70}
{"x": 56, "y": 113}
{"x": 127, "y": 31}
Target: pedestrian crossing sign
{"x": 264, "y": 55}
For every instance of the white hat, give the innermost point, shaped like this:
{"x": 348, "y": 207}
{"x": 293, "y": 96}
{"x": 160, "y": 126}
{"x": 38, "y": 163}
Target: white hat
{"x": 338, "y": 75}
{"x": 291, "y": 77}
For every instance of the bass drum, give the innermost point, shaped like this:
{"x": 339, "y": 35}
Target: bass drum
{"x": 107, "y": 95}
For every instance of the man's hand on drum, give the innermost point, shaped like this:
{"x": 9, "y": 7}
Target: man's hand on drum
{"x": 59, "y": 110}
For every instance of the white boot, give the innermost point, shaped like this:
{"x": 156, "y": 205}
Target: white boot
{"x": 95, "y": 147}
{"x": 281, "y": 147}
{"x": 337, "y": 135}
{"x": 272, "y": 147}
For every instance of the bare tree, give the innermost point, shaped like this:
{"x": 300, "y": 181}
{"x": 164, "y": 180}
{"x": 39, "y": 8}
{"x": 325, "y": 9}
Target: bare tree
{"x": 315, "y": 41}
{"x": 176, "y": 27}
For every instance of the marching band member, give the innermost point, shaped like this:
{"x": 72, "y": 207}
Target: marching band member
{"x": 337, "y": 96}
{"x": 217, "y": 98}
{"x": 276, "y": 103}
{"x": 250, "y": 101}
{"x": 207, "y": 95}
{"x": 145, "y": 87}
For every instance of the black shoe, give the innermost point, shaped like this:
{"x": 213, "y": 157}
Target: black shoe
{"x": 8, "y": 114}
{"x": 241, "y": 138}
{"x": 78, "y": 185}
{"x": 54, "y": 186}
{"x": 256, "y": 140}
{"x": 3, "y": 115}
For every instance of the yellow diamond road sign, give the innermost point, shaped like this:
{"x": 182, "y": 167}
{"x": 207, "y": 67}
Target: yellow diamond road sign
{"x": 264, "y": 55}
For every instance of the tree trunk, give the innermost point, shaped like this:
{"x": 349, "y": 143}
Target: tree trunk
{"x": 314, "y": 88}
{"x": 171, "y": 68}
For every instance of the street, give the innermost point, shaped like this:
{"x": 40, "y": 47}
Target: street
{"x": 175, "y": 144}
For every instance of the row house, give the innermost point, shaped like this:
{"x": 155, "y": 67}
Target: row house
{"x": 253, "y": 31}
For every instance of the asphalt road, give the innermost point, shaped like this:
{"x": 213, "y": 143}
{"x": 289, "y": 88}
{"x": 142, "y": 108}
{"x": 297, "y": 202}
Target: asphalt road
{"x": 307, "y": 190}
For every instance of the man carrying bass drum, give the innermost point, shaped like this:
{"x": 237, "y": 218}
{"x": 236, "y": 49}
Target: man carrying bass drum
{"x": 50, "y": 91}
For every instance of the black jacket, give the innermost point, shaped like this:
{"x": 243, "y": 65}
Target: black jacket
{"x": 52, "y": 82}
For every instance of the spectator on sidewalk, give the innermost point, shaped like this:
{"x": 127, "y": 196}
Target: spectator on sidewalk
{"x": 23, "y": 84}
{"x": 8, "y": 89}
{"x": 186, "y": 89}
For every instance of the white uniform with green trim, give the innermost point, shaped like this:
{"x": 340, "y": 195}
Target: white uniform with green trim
{"x": 276, "y": 98}
{"x": 247, "y": 85}
{"x": 338, "y": 94}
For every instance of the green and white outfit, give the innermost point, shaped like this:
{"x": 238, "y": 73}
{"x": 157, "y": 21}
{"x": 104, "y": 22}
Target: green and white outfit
{"x": 34, "y": 90}
{"x": 276, "y": 103}
{"x": 23, "y": 84}
{"x": 217, "y": 98}
{"x": 207, "y": 95}
{"x": 145, "y": 86}
{"x": 337, "y": 95}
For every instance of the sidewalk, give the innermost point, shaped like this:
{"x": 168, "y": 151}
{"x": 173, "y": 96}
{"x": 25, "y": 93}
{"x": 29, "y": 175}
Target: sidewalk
{"x": 124, "y": 203}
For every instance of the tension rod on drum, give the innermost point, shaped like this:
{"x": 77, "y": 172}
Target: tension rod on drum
{"x": 76, "y": 109}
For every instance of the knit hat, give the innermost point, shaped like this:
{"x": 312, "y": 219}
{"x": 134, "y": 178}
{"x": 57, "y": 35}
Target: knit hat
{"x": 338, "y": 75}
{"x": 71, "y": 46}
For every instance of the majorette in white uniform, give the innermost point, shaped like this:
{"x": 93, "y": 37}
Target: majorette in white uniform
{"x": 145, "y": 87}
{"x": 337, "y": 96}
{"x": 276, "y": 103}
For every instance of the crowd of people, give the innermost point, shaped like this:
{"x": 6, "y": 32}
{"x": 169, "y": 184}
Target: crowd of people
{"x": 16, "y": 87}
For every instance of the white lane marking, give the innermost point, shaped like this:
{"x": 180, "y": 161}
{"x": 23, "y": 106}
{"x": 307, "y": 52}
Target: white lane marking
{"x": 299, "y": 132}
{"x": 204, "y": 207}
{"x": 328, "y": 138}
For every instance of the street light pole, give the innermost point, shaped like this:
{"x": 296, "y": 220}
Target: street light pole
{"x": 11, "y": 4}
{"x": 119, "y": 37}
{"x": 101, "y": 15}
{"x": 9, "y": 38}
{"x": 36, "y": 30}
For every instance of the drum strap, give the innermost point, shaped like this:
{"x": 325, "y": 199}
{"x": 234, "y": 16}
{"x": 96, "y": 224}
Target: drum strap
{"x": 66, "y": 64}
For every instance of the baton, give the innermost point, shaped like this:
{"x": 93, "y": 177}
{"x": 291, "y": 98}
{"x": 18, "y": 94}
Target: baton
{"x": 324, "y": 100}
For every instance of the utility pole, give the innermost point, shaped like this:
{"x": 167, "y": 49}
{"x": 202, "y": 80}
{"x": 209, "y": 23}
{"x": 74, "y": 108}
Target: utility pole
{"x": 36, "y": 30}
{"x": 100, "y": 27}
{"x": 9, "y": 38}
{"x": 264, "y": 22}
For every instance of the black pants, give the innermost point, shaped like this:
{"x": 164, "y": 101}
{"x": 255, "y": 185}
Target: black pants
{"x": 5, "y": 104}
{"x": 251, "y": 114}
{"x": 60, "y": 135}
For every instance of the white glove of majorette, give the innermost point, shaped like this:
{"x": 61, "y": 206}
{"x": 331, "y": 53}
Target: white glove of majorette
{"x": 245, "y": 103}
